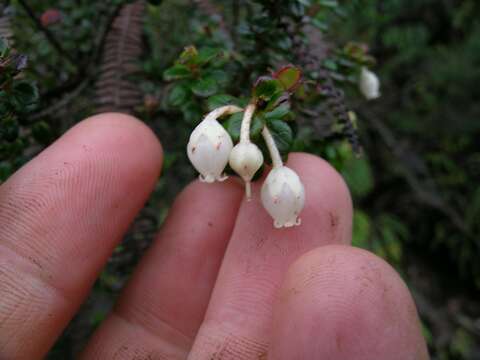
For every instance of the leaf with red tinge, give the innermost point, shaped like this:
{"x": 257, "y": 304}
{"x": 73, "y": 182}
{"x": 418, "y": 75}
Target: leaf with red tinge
{"x": 50, "y": 17}
{"x": 266, "y": 87}
{"x": 289, "y": 76}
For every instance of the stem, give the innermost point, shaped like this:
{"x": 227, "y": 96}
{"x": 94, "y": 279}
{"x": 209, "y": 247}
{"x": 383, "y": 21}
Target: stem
{"x": 223, "y": 110}
{"x": 248, "y": 190}
{"x": 236, "y": 17}
{"x": 272, "y": 148}
{"x": 247, "y": 120}
{"x": 48, "y": 34}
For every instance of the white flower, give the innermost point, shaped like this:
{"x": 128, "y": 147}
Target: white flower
{"x": 369, "y": 84}
{"x": 209, "y": 148}
{"x": 283, "y": 196}
{"x": 246, "y": 158}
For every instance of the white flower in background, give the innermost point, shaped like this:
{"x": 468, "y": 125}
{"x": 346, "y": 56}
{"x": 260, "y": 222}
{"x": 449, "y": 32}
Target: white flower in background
{"x": 210, "y": 145}
{"x": 369, "y": 84}
{"x": 283, "y": 196}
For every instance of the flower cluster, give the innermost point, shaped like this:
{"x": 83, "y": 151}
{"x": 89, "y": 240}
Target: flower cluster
{"x": 210, "y": 149}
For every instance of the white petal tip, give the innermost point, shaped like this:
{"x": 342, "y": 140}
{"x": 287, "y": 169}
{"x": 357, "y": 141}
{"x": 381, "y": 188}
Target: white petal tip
{"x": 288, "y": 224}
{"x": 206, "y": 179}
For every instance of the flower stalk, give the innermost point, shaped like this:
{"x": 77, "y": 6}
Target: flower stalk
{"x": 246, "y": 158}
{"x": 272, "y": 148}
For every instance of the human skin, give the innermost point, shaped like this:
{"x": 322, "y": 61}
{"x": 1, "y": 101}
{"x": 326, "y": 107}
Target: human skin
{"x": 219, "y": 282}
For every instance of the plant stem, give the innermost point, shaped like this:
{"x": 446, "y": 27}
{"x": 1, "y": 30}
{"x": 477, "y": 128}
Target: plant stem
{"x": 248, "y": 190}
{"x": 272, "y": 148}
{"x": 48, "y": 34}
{"x": 223, "y": 110}
{"x": 247, "y": 120}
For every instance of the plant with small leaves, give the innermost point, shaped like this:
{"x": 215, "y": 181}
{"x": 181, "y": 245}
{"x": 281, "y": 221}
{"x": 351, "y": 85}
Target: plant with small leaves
{"x": 271, "y": 120}
{"x": 18, "y": 97}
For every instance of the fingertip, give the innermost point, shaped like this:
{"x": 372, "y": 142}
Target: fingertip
{"x": 341, "y": 302}
{"x": 183, "y": 260}
{"x": 121, "y": 133}
{"x": 67, "y": 209}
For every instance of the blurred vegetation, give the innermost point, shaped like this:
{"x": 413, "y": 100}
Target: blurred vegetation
{"x": 415, "y": 186}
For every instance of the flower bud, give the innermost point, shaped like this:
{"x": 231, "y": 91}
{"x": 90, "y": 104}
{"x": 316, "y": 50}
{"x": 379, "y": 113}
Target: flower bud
{"x": 208, "y": 149}
{"x": 246, "y": 158}
{"x": 283, "y": 196}
{"x": 369, "y": 84}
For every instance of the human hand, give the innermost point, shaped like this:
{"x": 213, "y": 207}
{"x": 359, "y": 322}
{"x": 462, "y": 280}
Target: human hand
{"x": 219, "y": 282}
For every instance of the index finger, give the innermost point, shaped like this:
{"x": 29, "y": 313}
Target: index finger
{"x": 60, "y": 217}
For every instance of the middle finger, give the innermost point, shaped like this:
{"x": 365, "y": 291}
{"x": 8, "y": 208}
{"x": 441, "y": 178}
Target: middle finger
{"x": 167, "y": 297}
{"x": 239, "y": 316}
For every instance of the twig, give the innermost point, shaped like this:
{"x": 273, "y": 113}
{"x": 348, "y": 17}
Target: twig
{"x": 86, "y": 69}
{"x": 48, "y": 34}
{"x": 425, "y": 195}
{"x": 63, "y": 102}
{"x": 236, "y": 19}
{"x": 211, "y": 10}
{"x": 75, "y": 86}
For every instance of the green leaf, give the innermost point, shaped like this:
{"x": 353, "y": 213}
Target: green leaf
{"x": 205, "y": 55}
{"x": 176, "y": 72}
{"x": 329, "y": 3}
{"x": 320, "y": 24}
{"x": 266, "y": 87}
{"x": 257, "y": 125}
{"x": 178, "y": 95}
{"x": 361, "y": 229}
{"x": 234, "y": 123}
{"x": 220, "y": 77}
{"x": 6, "y": 169}
{"x": 282, "y": 134}
{"x": 279, "y": 112}
{"x": 219, "y": 100}
{"x": 277, "y": 99}
{"x": 305, "y": 2}
{"x": 9, "y": 129}
{"x": 205, "y": 87}
{"x": 25, "y": 93}
{"x": 358, "y": 175}
{"x": 189, "y": 56}
{"x": 330, "y": 64}
{"x": 42, "y": 133}
{"x": 192, "y": 112}
{"x": 4, "y": 48}
{"x": 289, "y": 77}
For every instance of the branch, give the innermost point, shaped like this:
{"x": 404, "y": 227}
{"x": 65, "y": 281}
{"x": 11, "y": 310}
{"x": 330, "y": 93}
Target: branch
{"x": 212, "y": 10}
{"x": 74, "y": 87}
{"x": 56, "y": 106}
{"x": 425, "y": 195}
{"x": 48, "y": 34}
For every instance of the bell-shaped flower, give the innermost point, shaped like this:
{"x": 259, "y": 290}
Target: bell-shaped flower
{"x": 283, "y": 196}
{"x": 209, "y": 148}
{"x": 369, "y": 84}
{"x": 245, "y": 159}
